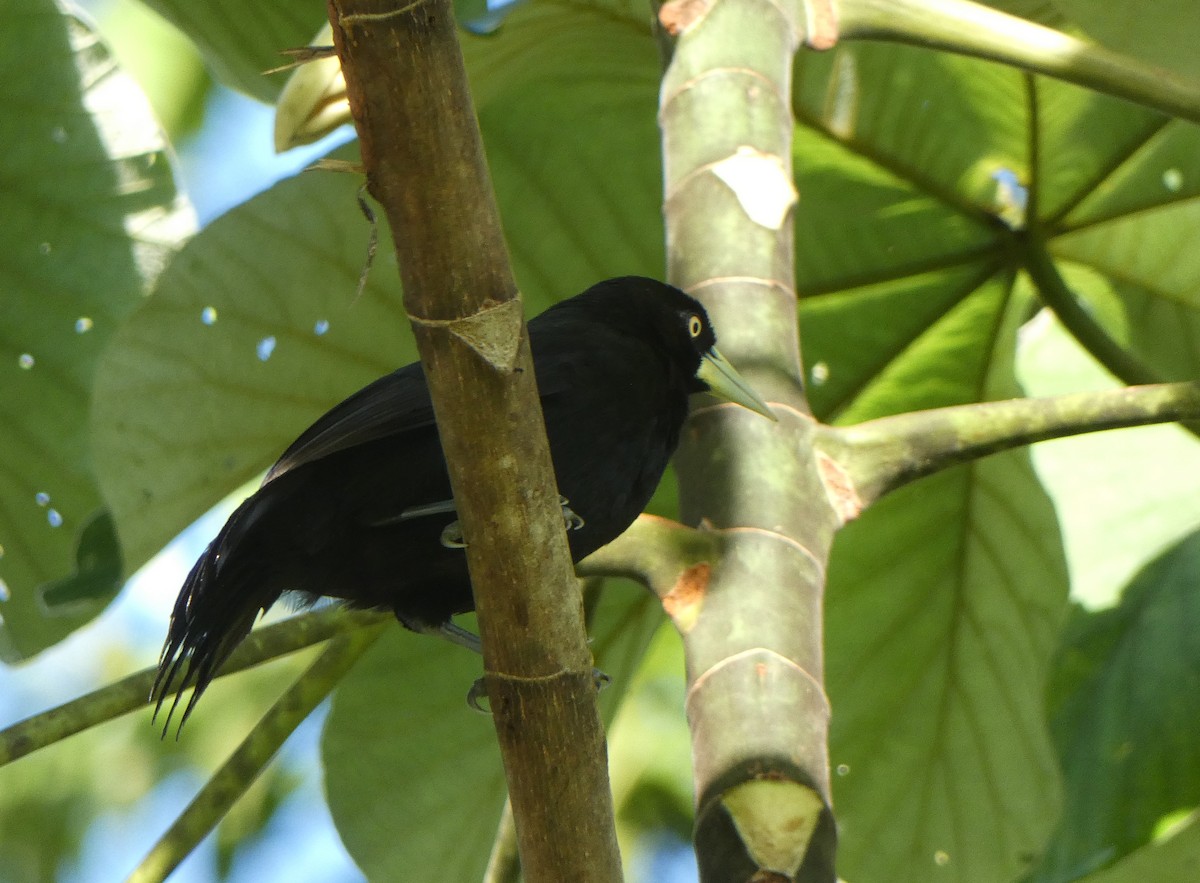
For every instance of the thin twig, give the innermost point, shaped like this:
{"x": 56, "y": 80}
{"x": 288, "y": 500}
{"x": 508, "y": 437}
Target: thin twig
{"x": 246, "y": 763}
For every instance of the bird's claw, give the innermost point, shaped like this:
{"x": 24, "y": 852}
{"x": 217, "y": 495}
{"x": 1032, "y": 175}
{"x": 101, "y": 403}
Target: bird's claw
{"x": 452, "y": 536}
{"x": 478, "y": 691}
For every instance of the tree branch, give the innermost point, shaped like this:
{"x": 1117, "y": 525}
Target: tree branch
{"x": 130, "y": 693}
{"x": 421, "y": 148}
{"x": 971, "y": 29}
{"x": 881, "y": 455}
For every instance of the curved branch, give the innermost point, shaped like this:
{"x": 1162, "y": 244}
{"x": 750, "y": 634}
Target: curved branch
{"x": 246, "y": 763}
{"x": 881, "y": 455}
{"x": 131, "y": 693}
{"x": 1055, "y": 293}
{"x": 971, "y": 29}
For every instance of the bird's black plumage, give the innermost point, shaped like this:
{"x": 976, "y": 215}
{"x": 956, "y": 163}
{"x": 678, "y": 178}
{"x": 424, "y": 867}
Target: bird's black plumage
{"x": 340, "y": 513}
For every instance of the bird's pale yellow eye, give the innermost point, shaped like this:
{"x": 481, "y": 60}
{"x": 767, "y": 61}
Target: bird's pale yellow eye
{"x": 695, "y": 326}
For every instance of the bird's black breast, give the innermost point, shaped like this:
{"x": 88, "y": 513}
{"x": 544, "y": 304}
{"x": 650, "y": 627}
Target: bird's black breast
{"x": 613, "y": 408}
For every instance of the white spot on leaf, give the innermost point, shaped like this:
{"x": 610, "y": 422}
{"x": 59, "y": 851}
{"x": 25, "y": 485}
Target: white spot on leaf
{"x": 1173, "y": 180}
{"x": 321, "y": 327}
{"x": 54, "y": 518}
{"x": 42, "y": 498}
{"x": 25, "y": 360}
{"x": 83, "y": 325}
{"x": 208, "y": 315}
{"x": 265, "y": 347}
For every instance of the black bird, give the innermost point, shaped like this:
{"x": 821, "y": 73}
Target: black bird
{"x": 359, "y": 507}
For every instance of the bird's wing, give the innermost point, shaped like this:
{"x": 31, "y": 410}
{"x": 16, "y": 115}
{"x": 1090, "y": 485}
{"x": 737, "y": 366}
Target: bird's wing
{"x": 399, "y": 403}
{"x": 393, "y": 405}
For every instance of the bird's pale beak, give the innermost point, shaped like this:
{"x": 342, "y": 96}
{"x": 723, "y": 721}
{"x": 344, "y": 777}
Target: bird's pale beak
{"x": 724, "y": 382}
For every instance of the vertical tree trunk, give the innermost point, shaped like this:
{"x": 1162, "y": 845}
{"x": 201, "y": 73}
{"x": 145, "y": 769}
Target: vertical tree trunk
{"x": 756, "y": 702}
{"x": 424, "y": 159}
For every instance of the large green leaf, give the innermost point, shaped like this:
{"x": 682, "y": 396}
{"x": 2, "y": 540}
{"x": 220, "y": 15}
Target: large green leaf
{"x": 253, "y": 331}
{"x": 91, "y": 213}
{"x": 567, "y": 102}
{"x": 943, "y": 605}
{"x": 1128, "y": 698}
{"x": 913, "y": 169}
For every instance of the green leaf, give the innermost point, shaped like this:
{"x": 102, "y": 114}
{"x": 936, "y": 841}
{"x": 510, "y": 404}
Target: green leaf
{"x": 91, "y": 213}
{"x": 1164, "y": 32}
{"x": 240, "y": 40}
{"x": 253, "y": 332}
{"x": 412, "y": 775}
{"x": 852, "y": 336}
{"x": 944, "y": 123}
{"x": 1171, "y": 859}
{"x": 567, "y": 101}
{"x": 1149, "y": 264}
{"x": 1125, "y": 724}
{"x": 913, "y": 168}
{"x": 942, "y": 610}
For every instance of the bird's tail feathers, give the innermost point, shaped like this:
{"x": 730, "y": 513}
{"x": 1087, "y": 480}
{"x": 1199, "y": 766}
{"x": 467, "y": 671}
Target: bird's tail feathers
{"x": 216, "y": 609}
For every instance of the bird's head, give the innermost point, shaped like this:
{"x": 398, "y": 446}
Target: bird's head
{"x": 684, "y": 329}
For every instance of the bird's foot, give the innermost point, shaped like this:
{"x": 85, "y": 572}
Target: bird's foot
{"x": 571, "y": 520}
{"x": 478, "y": 690}
{"x": 452, "y": 534}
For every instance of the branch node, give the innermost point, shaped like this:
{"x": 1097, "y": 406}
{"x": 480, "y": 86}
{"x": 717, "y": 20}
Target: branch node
{"x": 348, "y": 20}
{"x": 493, "y": 333}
